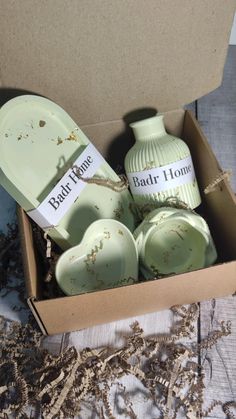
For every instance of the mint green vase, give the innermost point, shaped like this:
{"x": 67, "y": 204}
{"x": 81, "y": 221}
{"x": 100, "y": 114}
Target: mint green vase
{"x": 159, "y": 166}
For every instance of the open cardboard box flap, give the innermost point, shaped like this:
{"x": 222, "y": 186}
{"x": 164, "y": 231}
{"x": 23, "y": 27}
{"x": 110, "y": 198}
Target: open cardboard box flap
{"x": 100, "y": 61}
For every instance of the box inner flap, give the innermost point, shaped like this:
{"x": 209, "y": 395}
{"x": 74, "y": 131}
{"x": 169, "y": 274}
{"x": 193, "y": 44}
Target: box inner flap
{"x": 221, "y": 201}
{"x": 100, "y": 60}
{"x": 29, "y": 255}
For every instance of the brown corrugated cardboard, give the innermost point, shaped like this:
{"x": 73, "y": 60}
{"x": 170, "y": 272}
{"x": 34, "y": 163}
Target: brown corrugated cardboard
{"x": 102, "y": 306}
{"x": 102, "y": 61}
{"x": 91, "y": 309}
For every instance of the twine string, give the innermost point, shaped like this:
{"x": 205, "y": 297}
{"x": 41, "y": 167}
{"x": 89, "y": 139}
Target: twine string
{"x": 117, "y": 186}
{"x": 225, "y": 175}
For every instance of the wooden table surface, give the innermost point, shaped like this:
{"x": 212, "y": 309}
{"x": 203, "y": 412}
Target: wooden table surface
{"x": 217, "y": 115}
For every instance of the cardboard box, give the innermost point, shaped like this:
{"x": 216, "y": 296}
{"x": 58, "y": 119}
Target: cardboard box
{"x": 101, "y": 61}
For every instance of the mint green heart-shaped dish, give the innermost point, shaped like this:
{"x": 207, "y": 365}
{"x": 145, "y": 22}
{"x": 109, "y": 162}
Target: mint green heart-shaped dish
{"x": 107, "y": 257}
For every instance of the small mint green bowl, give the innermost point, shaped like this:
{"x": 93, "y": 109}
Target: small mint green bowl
{"x": 173, "y": 241}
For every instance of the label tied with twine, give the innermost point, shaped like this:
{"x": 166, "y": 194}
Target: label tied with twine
{"x": 60, "y": 199}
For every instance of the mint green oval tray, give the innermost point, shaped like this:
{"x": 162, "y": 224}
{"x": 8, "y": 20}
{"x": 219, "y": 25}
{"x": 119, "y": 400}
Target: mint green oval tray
{"x": 39, "y": 142}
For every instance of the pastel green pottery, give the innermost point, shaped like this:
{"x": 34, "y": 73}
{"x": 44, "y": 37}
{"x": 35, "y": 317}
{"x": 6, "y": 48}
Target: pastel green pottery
{"x": 106, "y": 257}
{"x": 42, "y": 153}
{"x": 159, "y": 165}
{"x": 173, "y": 241}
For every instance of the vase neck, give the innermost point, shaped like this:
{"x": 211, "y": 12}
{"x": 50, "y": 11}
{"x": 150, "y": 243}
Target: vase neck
{"x": 149, "y": 129}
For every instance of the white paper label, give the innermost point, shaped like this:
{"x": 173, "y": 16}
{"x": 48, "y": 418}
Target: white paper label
{"x": 160, "y": 179}
{"x": 58, "y": 202}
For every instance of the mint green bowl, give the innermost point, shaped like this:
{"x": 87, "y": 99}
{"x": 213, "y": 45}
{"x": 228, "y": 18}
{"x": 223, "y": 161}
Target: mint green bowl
{"x": 173, "y": 241}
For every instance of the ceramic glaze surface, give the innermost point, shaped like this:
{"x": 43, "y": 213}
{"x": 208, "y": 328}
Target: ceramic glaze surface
{"x": 39, "y": 142}
{"x": 172, "y": 241}
{"x": 106, "y": 257}
{"x": 159, "y": 165}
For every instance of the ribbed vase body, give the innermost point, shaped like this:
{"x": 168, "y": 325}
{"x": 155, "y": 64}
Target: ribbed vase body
{"x": 159, "y": 166}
